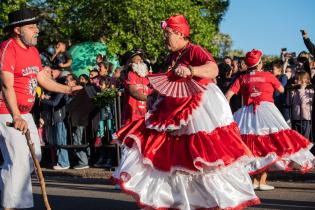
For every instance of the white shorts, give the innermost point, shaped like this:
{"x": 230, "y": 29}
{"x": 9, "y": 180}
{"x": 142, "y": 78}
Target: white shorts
{"x": 15, "y": 180}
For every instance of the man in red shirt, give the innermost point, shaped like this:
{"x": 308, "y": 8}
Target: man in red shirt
{"x": 20, "y": 73}
{"x": 136, "y": 86}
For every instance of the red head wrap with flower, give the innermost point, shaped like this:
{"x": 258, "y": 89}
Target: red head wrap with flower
{"x": 253, "y": 58}
{"x": 177, "y": 23}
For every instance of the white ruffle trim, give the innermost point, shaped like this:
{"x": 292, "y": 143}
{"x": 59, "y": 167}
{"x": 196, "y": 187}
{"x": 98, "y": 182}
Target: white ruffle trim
{"x": 224, "y": 188}
{"x": 162, "y": 128}
{"x": 262, "y": 163}
{"x": 214, "y": 111}
{"x": 302, "y": 160}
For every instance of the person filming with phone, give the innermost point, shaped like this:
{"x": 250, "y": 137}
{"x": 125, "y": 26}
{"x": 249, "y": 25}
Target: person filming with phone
{"x": 310, "y": 46}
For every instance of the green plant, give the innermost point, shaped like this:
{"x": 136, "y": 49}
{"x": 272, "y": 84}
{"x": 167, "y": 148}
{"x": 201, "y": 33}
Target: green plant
{"x": 105, "y": 97}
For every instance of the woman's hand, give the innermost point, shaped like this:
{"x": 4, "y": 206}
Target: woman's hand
{"x": 182, "y": 71}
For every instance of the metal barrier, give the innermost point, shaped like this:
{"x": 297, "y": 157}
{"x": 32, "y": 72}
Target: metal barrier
{"x": 87, "y": 141}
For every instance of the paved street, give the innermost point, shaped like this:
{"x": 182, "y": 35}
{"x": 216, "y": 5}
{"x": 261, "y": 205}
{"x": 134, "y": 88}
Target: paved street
{"x": 288, "y": 195}
{"x": 67, "y": 193}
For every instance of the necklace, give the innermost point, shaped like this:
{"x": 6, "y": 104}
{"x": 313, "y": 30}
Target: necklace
{"x": 174, "y": 64}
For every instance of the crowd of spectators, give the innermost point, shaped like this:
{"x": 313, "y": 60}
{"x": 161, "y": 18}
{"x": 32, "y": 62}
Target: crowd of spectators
{"x": 296, "y": 74}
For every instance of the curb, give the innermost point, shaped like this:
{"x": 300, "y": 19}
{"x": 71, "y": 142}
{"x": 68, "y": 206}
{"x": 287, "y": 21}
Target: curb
{"x": 93, "y": 173}
{"x": 99, "y": 173}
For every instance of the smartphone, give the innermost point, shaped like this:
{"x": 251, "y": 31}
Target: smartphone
{"x": 303, "y": 32}
{"x": 283, "y": 49}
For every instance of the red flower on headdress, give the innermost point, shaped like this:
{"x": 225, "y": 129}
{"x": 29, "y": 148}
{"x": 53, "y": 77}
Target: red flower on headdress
{"x": 163, "y": 25}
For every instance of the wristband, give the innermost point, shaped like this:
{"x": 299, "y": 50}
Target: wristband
{"x": 192, "y": 71}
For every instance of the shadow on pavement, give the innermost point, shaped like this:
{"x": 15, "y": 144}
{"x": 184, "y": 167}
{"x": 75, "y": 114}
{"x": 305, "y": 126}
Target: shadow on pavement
{"x": 285, "y": 204}
{"x": 82, "y": 203}
{"x": 83, "y": 187}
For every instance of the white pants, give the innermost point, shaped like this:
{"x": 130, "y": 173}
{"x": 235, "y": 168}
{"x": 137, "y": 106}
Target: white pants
{"x": 15, "y": 180}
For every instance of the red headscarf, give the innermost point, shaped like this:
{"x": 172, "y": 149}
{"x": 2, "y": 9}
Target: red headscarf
{"x": 177, "y": 23}
{"x": 253, "y": 58}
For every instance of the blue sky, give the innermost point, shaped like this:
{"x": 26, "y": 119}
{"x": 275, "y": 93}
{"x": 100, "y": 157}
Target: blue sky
{"x": 269, "y": 25}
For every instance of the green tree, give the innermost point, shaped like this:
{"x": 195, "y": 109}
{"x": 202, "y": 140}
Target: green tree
{"x": 7, "y": 6}
{"x": 136, "y": 24}
{"x": 73, "y": 20}
{"x": 213, "y": 9}
{"x": 223, "y": 42}
{"x": 236, "y": 53}
{"x": 127, "y": 24}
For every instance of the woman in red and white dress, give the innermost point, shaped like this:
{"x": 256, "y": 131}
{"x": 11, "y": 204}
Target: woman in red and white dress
{"x": 187, "y": 153}
{"x": 264, "y": 130}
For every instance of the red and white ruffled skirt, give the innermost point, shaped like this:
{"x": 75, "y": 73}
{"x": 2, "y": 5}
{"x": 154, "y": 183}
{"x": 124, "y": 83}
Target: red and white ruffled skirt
{"x": 186, "y": 154}
{"x": 274, "y": 144}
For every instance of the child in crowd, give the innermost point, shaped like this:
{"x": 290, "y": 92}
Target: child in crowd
{"x": 278, "y": 70}
{"x": 105, "y": 128}
{"x": 94, "y": 78}
{"x": 300, "y": 98}
{"x": 84, "y": 79}
{"x": 117, "y": 80}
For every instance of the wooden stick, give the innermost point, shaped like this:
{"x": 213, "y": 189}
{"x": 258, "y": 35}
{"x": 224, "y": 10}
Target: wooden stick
{"x": 37, "y": 166}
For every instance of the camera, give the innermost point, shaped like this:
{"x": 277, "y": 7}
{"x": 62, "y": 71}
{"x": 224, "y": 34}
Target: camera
{"x": 290, "y": 54}
{"x": 303, "y": 32}
{"x": 283, "y": 49}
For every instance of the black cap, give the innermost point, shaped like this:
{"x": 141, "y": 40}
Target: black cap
{"x": 130, "y": 54}
{"x": 21, "y": 17}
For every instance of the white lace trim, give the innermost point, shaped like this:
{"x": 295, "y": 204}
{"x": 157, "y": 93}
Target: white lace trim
{"x": 166, "y": 128}
{"x": 213, "y": 111}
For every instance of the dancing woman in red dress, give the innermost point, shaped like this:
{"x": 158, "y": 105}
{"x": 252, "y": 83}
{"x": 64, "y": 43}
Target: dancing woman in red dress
{"x": 264, "y": 130}
{"x": 187, "y": 152}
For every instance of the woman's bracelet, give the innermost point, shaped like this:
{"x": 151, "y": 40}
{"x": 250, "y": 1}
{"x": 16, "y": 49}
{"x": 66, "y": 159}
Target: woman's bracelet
{"x": 192, "y": 71}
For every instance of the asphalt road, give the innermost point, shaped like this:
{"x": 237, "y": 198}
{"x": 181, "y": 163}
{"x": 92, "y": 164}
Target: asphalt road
{"x": 96, "y": 194}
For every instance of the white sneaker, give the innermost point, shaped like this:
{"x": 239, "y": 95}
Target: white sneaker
{"x": 58, "y": 167}
{"x": 265, "y": 187}
{"x": 255, "y": 186}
